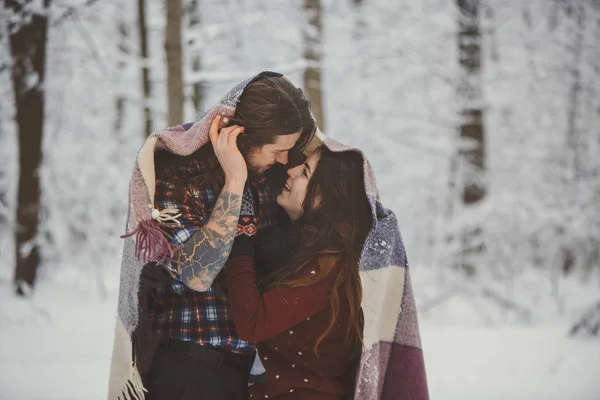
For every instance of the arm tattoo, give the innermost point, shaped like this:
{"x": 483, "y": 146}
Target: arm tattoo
{"x": 205, "y": 253}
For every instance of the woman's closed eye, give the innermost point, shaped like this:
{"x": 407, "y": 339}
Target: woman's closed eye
{"x": 306, "y": 170}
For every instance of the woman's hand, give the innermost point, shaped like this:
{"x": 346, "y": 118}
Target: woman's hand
{"x": 227, "y": 152}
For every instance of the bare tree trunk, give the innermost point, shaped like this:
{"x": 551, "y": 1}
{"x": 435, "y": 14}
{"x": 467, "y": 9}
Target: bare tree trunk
{"x": 492, "y": 32}
{"x": 312, "y": 54}
{"x": 174, "y": 62}
{"x": 593, "y": 260}
{"x": 471, "y": 154}
{"x": 146, "y": 91}
{"x": 120, "y": 102}
{"x": 28, "y": 29}
{"x": 361, "y": 29}
{"x": 575, "y": 141}
{"x": 4, "y": 211}
{"x": 196, "y": 62}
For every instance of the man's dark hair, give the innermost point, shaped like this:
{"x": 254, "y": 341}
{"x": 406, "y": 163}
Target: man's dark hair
{"x": 270, "y": 106}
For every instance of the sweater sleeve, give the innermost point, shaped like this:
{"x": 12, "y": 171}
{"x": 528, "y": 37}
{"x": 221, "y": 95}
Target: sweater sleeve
{"x": 258, "y": 316}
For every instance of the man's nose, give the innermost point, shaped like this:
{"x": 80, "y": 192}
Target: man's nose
{"x": 282, "y": 158}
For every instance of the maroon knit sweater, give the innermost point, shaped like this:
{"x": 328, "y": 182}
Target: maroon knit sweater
{"x": 286, "y": 323}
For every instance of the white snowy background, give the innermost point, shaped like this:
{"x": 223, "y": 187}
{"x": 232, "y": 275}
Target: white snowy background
{"x": 389, "y": 76}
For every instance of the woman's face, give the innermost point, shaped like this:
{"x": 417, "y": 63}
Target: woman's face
{"x": 292, "y": 196}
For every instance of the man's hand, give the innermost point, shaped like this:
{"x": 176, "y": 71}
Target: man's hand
{"x": 225, "y": 146}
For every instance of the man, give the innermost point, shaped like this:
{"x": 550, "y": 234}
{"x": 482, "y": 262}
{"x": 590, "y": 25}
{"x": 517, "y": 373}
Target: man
{"x": 199, "y": 355}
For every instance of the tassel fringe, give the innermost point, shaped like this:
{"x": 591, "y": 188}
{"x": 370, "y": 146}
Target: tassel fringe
{"x": 134, "y": 388}
{"x": 151, "y": 243}
{"x": 167, "y": 217}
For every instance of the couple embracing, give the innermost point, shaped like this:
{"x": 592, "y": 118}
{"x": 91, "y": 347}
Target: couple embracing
{"x": 259, "y": 263}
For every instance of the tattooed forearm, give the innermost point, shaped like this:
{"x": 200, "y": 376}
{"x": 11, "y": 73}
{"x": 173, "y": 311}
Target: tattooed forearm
{"x": 204, "y": 254}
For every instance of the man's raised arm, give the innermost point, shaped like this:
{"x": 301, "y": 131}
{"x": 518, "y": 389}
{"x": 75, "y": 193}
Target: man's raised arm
{"x": 204, "y": 254}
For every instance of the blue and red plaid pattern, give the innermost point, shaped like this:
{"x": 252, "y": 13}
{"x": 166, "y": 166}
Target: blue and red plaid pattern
{"x": 204, "y": 317}
{"x": 200, "y": 317}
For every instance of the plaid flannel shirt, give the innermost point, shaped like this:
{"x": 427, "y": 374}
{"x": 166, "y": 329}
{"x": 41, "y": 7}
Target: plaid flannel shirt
{"x": 204, "y": 317}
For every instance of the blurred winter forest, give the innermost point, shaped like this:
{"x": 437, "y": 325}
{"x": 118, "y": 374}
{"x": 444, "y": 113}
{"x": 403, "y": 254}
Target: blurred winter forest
{"x": 481, "y": 119}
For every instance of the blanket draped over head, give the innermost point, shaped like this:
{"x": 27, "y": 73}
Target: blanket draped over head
{"x": 392, "y": 366}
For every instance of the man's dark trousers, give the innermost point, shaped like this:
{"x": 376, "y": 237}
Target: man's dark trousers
{"x": 188, "y": 371}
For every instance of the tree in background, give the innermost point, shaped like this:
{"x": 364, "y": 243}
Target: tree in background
{"x": 312, "y": 53}
{"x": 575, "y": 141}
{"x": 174, "y": 62}
{"x": 3, "y": 185}
{"x": 28, "y": 30}
{"x": 580, "y": 167}
{"x": 4, "y": 176}
{"x": 4, "y": 207}
{"x": 146, "y": 89}
{"x": 468, "y": 165}
{"x": 193, "y": 50}
{"x": 123, "y": 55}
{"x": 564, "y": 228}
{"x": 575, "y": 162}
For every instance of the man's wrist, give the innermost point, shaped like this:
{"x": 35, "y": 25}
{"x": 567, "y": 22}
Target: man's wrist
{"x": 234, "y": 185}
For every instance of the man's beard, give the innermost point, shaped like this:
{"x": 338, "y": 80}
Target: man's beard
{"x": 252, "y": 170}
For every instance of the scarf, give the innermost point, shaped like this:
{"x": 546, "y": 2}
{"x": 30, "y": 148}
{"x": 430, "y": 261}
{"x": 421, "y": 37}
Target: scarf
{"x": 392, "y": 366}
{"x": 274, "y": 248}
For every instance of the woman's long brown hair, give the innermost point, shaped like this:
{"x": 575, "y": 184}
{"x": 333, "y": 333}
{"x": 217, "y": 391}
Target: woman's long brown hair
{"x": 333, "y": 227}
{"x": 269, "y": 106}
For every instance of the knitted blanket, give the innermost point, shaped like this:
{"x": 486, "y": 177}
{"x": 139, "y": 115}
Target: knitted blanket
{"x": 392, "y": 366}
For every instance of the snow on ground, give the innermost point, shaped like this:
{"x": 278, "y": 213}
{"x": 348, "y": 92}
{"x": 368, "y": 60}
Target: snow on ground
{"x": 57, "y": 345}
{"x": 516, "y": 363}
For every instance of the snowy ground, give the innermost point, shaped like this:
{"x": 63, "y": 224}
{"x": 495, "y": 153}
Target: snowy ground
{"x": 58, "y": 344}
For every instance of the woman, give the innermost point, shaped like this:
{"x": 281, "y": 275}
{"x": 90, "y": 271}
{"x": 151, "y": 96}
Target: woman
{"x": 297, "y": 291}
